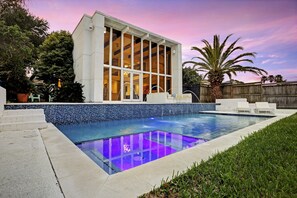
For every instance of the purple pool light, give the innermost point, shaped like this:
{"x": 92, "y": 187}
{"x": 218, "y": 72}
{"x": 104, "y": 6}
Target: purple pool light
{"x": 121, "y": 153}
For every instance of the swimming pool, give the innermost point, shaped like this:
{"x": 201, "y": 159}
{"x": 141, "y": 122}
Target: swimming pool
{"x": 121, "y": 153}
{"x": 91, "y": 137}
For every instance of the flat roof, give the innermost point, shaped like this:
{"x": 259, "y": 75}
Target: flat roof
{"x": 132, "y": 29}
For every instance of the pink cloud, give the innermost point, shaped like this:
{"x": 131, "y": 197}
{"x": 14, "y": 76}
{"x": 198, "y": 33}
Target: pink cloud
{"x": 263, "y": 26}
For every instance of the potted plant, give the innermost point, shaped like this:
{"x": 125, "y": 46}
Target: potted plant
{"x": 23, "y": 87}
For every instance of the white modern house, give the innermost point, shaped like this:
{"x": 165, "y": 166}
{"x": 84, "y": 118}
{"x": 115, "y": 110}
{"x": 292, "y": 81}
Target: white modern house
{"x": 117, "y": 61}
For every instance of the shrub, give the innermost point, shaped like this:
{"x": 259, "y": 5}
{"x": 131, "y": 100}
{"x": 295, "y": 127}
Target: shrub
{"x": 69, "y": 92}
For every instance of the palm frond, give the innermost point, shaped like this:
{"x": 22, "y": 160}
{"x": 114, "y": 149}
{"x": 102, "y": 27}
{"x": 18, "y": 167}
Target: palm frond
{"x": 206, "y": 61}
{"x": 228, "y": 51}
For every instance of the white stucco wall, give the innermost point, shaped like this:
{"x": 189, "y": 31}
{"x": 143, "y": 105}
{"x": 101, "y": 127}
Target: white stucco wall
{"x": 88, "y": 40}
{"x": 2, "y": 100}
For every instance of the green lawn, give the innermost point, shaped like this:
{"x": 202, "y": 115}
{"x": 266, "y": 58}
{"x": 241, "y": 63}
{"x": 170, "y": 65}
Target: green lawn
{"x": 262, "y": 165}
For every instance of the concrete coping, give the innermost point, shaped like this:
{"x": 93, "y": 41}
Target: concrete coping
{"x": 79, "y": 176}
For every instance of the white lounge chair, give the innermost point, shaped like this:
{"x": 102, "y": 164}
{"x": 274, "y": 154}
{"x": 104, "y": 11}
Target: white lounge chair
{"x": 243, "y": 107}
{"x": 263, "y": 107}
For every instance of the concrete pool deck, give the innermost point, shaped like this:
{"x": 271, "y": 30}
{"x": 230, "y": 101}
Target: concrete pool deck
{"x": 25, "y": 169}
{"x": 79, "y": 176}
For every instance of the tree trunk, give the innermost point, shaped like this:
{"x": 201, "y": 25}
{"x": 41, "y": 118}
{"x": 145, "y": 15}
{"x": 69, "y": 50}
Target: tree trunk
{"x": 216, "y": 92}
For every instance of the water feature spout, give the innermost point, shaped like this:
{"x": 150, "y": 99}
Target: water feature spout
{"x": 157, "y": 86}
{"x": 189, "y": 91}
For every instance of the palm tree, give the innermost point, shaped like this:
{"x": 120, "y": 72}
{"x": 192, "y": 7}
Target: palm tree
{"x": 264, "y": 79}
{"x": 271, "y": 78}
{"x": 278, "y": 78}
{"x": 216, "y": 62}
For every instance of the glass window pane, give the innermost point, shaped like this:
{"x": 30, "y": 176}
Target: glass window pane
{"x": 146, "y": 85}
{"x": 168, "y": 85}
{"x": 161, "y": 83}
{"x": 137, "y": 53}
{"x": 154, "y": 57}
{"x": 116, "y": 48}
{"x": 127, "y": 50}
{"x": 161, "y": 59}
{"x": 116, "y": 84}
{"x": 146, "y": 58}
{"x": 154, "y": 85}
{"x": 106, "y": 45}
{"x": 168, "y": 60}
{"x": 106, "y": 84}
{"x": 126, "y": 85}
{"x": 135, "y": 86}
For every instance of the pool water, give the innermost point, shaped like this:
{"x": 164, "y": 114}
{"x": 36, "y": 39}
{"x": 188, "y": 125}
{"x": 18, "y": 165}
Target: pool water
{"x": 206, "y": 126}
{"x": 123, "y": 144}
{"x": 125, "y": 152}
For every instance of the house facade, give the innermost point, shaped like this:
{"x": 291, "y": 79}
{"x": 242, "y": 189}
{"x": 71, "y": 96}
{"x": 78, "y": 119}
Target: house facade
{"x": 117, "y": 61}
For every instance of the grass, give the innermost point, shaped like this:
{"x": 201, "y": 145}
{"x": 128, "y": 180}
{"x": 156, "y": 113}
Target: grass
{"x": 262, "y": 165}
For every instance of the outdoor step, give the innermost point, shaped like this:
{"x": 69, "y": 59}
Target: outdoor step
{"x": 22, "y": 126}
{"x": 22, "y": 112}
{"x": 22, "y": 118}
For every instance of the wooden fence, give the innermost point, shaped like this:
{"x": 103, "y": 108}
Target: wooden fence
{"x": 283, "y": 94}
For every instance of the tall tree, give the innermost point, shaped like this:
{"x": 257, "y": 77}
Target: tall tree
{"x": 216, "y": 61}
{"x": 20, "y": 35}
{"x": 15, "y": 49}
{"x": 56, "y": 62}
{"x": 191, "y": 77}
{"x": 55, "y": 58}
{"x": 15, "y": 52}
{"x": 13, "y": 12}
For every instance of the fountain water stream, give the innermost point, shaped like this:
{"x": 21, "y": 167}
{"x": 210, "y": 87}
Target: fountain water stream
{"x": 189, "y": 91}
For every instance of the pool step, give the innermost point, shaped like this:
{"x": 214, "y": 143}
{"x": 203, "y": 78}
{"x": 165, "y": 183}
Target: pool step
{"x": 24, "y": 119}
{"x": 22, "y": 112}
{"x": 19, "y": 126}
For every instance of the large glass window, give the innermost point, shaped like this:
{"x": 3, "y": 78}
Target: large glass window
{"x": 168, "y": 60}
{"x": 106, "y": 84}
{"x": 146, "y": 85}
{"x": 137, "y": 53}
{"x": 161, "y": 59}
{"x": 127, "y": 50}
{"x": 154, "y": 85}
{"x": 116, "y": 84}
{"x": 146, "y": 56}
{"x": 161, "y": 83}
{"x": 106, "y": 45}
{"x": 116, "y": 48}
{"x": 154, "y": 57}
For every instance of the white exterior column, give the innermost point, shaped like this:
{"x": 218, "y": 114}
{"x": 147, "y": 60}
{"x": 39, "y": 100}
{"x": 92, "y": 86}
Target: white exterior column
{"x": 88, "y": 56}
{"x": 177, "y": 78}
{"x": 2, "y": 100}
{"x": 82, "y": 55}
{"x": 97, "y": 56}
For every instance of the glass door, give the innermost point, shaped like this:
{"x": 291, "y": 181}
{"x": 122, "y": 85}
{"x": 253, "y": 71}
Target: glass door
{"x": 131, "y": 86}
{"x": 135, "y": 87}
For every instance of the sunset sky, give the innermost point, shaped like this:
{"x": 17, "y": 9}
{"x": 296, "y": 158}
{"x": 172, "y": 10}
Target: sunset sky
{"x": 268, "y": 27}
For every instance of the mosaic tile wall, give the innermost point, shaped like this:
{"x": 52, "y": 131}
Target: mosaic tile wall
{"x": 79, "y": 113}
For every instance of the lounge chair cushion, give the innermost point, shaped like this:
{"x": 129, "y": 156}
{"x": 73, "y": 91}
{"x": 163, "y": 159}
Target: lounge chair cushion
{"x": 243, "y": 106}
